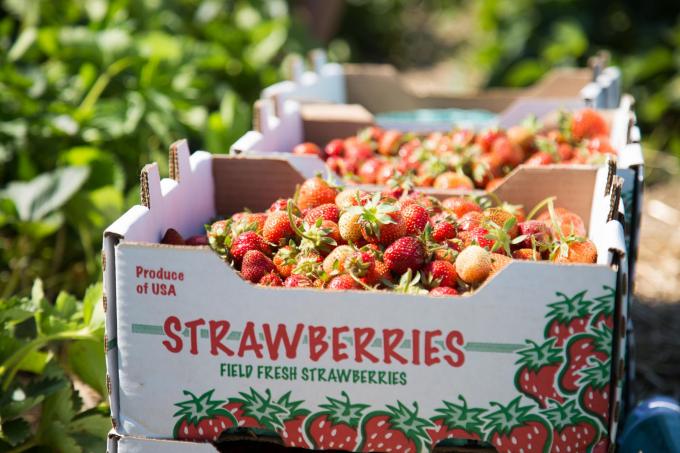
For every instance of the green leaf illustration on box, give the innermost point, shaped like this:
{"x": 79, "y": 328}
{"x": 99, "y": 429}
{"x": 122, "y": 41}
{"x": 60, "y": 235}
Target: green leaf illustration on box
{"x": 602, "y": 308}
{"x": 253, "y": 410}
{"x": 571, "y": 428}
{"x": 578, "y": 350}
{"x": 336, "y": 425}
{"x": 594, "y": 394}
{"x": 292, "y": 434}
{"x": 456, "y": 421}
{"x": 396, "y": 426}
{"x": 201, "y": 417}
{"x": 567, "y": 316}
{"x": 539, "y": 365}
{"x": 514, "y": 426}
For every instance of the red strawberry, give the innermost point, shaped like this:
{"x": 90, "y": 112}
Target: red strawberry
{"x": 359, "y": 264}
{"x": 172, "y": 237}
{"x": 245, "y": 242}
{"x": 443, "y": 228}
{"x": 594, "y": 394}
{"x": 255, "y": 265}
{"x": 536, "y": 376}
{"x": 271, "y": 279}
{"x": 439, "y": 273}
{"x": 279, "y": 205}
{"x": 567, "y": 317}
{"x": 201, "y": 418}
{"x": 513, "y": 428}
{"x": 479, "y": 236}
{"x": 368, "y": 171}
{"x": 579, "y": 349}
{"x": 285, "y": 259}
{"x": 415, "y": 218}
{"x": 486, "y": 138}
{"x": 336, "y": 425}
{"x": 603, "y": 309}
{"x": 572, "y": 431}
{"x": 540, "y": 158}
{"x": 389, "y": 142}
{"x": 277, "y": 228}
{"x": 443, "y": 291}
{"x": 343, "y": 282}
{"x": 470, "y": 221}
{"x": 253, "y": 410}
{"x": 403, "y": 254}
{"x": 315, "y": 192}
{"x": 335, "y": 148}
{"x": 536, "y": 229}
{"x": 307, "y": 149}
{"x": 456, "y": 421}
{"x": 588, "y": 123}
{"x": 356, "y": 151}
{"x": 328, "y": 211}
{"x": 380, "y": 222}
{"x": 298, "y": 281}
{"x": 293, "y": 422}
{"x": 395, "y": 427}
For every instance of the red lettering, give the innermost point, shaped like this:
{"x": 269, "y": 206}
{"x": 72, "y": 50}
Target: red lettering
{"x": 362, "y": 340}
{"x": 415, "y": 346}
{"x": 430, "y": 349}
{"x": 317, "y": 344}
{"x": 219, "y": 330}
{"x": 249, "y": 341}
{"x": 281, "y": 336}
{"x": 193, "y": 333}
{"x": 453, "y": 340}
{"x": 171, "y": 325}
{"x": 139, "y": 270}
{"x": 391, "y": 340}
{"x": 338, "y": 344}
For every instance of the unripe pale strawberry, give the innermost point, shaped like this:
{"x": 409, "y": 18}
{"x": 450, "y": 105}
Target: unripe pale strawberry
{"x": 473, "y": 264}
{"x": 334, "y": 263}
{"x": 343, "y": 282}
{"x": 350, "y": 230}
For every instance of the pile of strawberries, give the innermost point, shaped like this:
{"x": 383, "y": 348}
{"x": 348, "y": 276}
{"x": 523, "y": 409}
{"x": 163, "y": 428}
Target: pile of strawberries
{"x": 394, "y": 240}
{"x": 463, "y": 159}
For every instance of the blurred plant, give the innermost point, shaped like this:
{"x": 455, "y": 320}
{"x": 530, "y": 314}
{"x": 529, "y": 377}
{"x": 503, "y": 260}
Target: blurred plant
{"x": 43, "y": 348}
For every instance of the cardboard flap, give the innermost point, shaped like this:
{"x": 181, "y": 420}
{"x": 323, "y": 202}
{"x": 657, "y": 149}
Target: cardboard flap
{"x": 322, "y": 123}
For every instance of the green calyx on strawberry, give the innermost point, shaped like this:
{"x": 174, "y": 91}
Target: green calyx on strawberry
{"x": 262, "y": 409}
{"x": 336, "y": 426}
{"x": 460, "y": 417}
{"x": 562, "y": 416}
{"x": 314, "y": 236}
{"x": 409, "y": 283}
{"x": 198, "y": 414}
{"x": 219, "y": 236}
{"x": 536, "y": 356}
{"x": 567, "y": 316}
{"x": 602, "y": 308}
{"x": 309, "y": 265}
{"x": 548, "y": 146}
{"x": 401, "y": 426}
{"x": 343, "y": 411}
{"x": 502, "y": 240}
{"x": 374, "y": 214}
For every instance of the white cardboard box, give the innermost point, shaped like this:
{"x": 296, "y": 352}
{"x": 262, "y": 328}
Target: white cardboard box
{"x": 201, "y": 338}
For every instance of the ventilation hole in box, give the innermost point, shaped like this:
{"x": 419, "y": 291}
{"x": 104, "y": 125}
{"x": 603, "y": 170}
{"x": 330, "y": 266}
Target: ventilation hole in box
{"x": 250, "y": 440}
{"x": 104, "y": 302}
{"x": 622, "y": 327}
{"x": 468, "y": 445}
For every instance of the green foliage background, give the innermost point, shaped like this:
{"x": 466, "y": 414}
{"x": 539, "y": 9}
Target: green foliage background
{"x": 90, "y": 90}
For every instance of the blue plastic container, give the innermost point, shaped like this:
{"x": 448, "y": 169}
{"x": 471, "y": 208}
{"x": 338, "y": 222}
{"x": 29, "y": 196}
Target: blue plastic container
{"x": 652, "y": 427}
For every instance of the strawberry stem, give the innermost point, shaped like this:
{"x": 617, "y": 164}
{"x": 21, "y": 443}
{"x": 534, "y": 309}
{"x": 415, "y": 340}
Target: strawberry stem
{"x": 539, "y": 206}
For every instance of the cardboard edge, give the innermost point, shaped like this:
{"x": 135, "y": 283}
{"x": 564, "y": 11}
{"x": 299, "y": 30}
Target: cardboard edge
{"x": 111, "y": 240}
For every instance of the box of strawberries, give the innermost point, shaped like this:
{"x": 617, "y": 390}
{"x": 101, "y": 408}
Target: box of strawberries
{"x": 242, "y": 295}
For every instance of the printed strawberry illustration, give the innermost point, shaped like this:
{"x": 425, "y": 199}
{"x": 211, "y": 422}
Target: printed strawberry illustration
{"x": 253, "y": 410}
{"x": 603, "y": 309}
{"x": 395, "y": 429}
{"x": 594, "y": 394}
{"x": 336, "y": 425}
{"x": 201, "y": 418}
{"x": 567, "y": 317}
{"x": 292, "y": 423}
{"x": 572, "y": 431}
{"x": 539, "y": 366}
{"x": 456, "y": 421}
{"x": 579, "y": 349}
{"x": 514, "y": 428}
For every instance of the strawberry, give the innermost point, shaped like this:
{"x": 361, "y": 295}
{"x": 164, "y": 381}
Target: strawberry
{"x": 349, "y": 197}
{"x": 498, "y": 262}
{"x": 453, "y": 180}
{"x": 600, "y": 145}
{"x": 253, "y": 410}
{"x": 379, "y": 274}
{"x": 480, "y": 236}
{"x": 572, "y": 431}
{"x": 328, "y": 211}
{"x": 578, "y": 351}
{"x": 569, "y": 223}
{"x": 201, "y": 418}
{"x": 292, "y": 435}
{"x": 172, "y": 237}
{"x": 594, "y": 389}
{"x": 279, "y": 205}
{"x": 309, "y": 263}
{"x": 245, "y": 242}
{"x": 473, "y": 264}
{"x": 536, "y": 229}
{"x": 336, "y": 425}
{"x": 588, "y": 123}
{"x": 341, "y": 166}
{"x": 334, "y": 263}
{"x": 356, "y": 151}
{"x": 255, "y": 265}
{"x": 350, "y": 228}
{"x": 514, "y": 428}
{"x": 321, "y": 236}
{"x": 439, "y": 273}
{"x": 443, "y": 291}
{"x": 415, "y": 218}
{"x": 250, "y": 222}
{"x": 335, "y": 148}
{"x": 507, "y": 152}
{"x": 493, "y": 184}
{"x": 284, "y": 259}
{"x": 603, "y": 309}
{"x": 271, "y": 279}
{"x": 218, "y": 233}
{"x": 381, "y": 222}
{"x": 578, "y": 251}
{"x": 456, "y": 421}
{"x": 486, "y": 138}
{"x": 499, "y": 217}
{"x": 540, "y": 158}
{"x": 395, "y": 427}
{"x": 298, "y": 281}
{"x": 315, "y": 192}
{"x": 343, "y": 282}
{"x": 403, "y": 254}
{"x": 539, "y": 365}
{"x": 526, "y": 254}
{"x": 469, "y": 221}
{"x": 389, "y": 142}
{"x": 566, "y": 317}
{"x": 368, "y": 171}
{"x": 444, "y": 228}
{"x": 277, "y": 228}
{"x": 307, "y": 149}
{"x": 360, "y": 264}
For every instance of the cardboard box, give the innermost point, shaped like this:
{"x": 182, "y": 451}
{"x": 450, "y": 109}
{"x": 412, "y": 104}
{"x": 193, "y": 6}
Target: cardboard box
{"x": 130, "y": 444}
{"x": 194, "y": 350}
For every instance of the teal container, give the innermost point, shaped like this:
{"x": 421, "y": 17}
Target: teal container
{"x": 653, "y": 426}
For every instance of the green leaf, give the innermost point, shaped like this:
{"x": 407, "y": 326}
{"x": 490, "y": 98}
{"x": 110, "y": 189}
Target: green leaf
{"x": 87, "y": 360}
{"x": 49, "y": 191}
{"x": 34, "y": 362}
{"x": 15, "y": 431}
{"x": 22, "y": 44}
{"x": 105, "y": 170}
{"x": 93, "y": 311}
